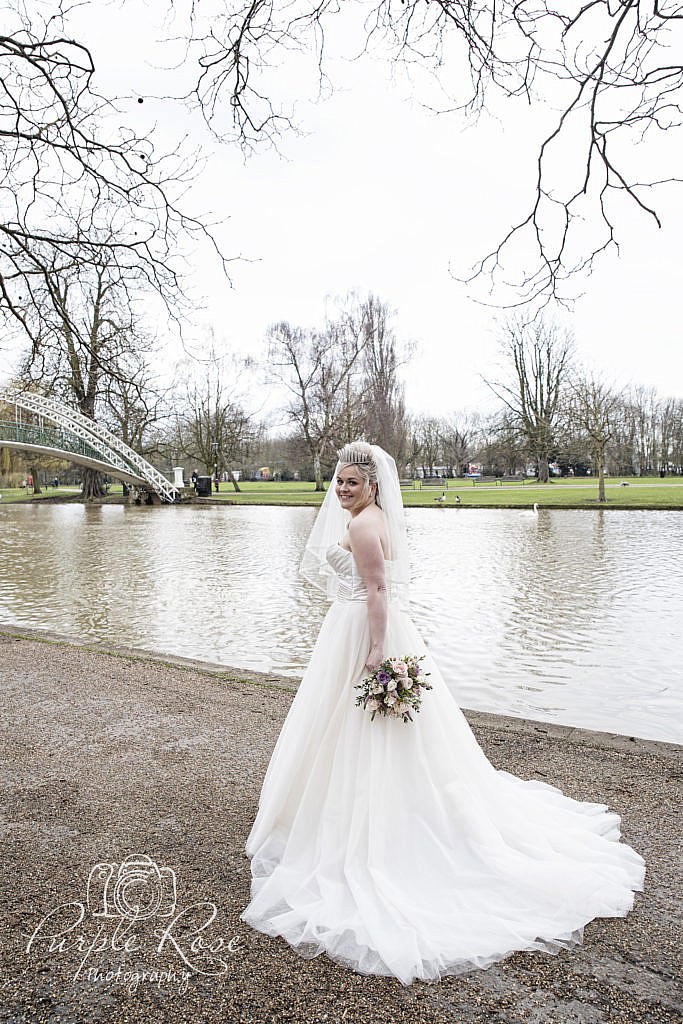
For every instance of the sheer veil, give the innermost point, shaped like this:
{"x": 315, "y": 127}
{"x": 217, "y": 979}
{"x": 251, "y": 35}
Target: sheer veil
{"x": 330, "y": 526}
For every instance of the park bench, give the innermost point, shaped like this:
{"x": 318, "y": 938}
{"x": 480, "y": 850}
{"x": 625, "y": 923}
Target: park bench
{"x": 510, "y": 480}
{"x": 497, "y": 480}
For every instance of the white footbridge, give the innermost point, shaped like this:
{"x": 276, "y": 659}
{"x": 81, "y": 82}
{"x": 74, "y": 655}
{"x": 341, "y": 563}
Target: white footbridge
{"x": 48, "y": 427}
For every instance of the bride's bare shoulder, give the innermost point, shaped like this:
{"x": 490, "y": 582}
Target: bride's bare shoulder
{"x": 368, "y": 527}
{"x": 370, "y": 519}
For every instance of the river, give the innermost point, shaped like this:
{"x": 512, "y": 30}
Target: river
{"x": 571, "y": 617}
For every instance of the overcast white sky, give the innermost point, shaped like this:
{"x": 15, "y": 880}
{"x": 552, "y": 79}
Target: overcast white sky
{"x": 381, "y": 196}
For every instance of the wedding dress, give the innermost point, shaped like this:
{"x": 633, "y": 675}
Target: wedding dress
{"x": 397, "y": 848}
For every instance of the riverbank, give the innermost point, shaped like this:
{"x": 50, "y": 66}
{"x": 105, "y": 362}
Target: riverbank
{"x": 568, "y": 493}
{"x": 109, "y": 753}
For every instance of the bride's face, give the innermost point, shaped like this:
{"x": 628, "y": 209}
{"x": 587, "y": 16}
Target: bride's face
{"x": 353, "y": 491}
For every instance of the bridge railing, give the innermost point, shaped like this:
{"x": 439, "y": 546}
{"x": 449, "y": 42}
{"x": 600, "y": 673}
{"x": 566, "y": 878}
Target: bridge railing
{"x": 47, "y": 437}
{"x": 109, "y": 449}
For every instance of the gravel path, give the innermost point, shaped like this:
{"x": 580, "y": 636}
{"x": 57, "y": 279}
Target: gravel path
{"x": 107, "y": 754}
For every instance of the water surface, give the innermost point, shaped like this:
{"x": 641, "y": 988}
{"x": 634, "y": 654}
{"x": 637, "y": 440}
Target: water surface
{"x": 570, "y": 617}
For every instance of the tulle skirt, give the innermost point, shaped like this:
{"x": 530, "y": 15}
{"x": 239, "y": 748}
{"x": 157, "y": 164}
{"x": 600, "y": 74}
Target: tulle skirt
{"x": 398, "y": 849}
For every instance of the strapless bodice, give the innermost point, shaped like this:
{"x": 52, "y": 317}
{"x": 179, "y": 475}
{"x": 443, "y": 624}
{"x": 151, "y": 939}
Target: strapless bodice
{"x": 351, "y": 584}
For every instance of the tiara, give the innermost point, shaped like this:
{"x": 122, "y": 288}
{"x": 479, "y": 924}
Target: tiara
{"x": 357, "y": 452}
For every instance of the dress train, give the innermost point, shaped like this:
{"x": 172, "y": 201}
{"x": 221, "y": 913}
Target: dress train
{"x": 397, "y": 848}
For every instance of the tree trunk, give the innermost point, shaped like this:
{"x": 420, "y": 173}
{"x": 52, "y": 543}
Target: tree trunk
{"x": 601, "y": 475}
{"x": 5, "y": 463}
{"x": 36, "y": 484}
{"x": 233, "y": 480}
{"x": 543, "y": 472}
{"x": 93, "y": 486}
{"x": 317, "y": 469}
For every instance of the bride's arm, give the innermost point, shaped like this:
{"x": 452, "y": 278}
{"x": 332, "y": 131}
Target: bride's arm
{"x": 369, "y": 557}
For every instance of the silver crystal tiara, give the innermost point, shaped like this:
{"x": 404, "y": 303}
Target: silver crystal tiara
{"x": 350, "y": 453}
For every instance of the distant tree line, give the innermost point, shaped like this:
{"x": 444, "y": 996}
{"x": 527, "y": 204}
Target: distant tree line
{"x": 645, "y": 439}
{"x": 554, "y": 416}
{"x": 343, "y": 380}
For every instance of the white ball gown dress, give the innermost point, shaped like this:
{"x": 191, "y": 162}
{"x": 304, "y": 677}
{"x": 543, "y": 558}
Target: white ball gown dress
{"x": 397, "y": 848}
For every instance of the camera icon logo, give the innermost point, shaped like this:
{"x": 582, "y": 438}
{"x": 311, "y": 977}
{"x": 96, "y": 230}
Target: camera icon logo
{"x": 138, "y": 890}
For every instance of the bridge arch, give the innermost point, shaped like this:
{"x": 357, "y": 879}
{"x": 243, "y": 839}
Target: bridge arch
{"x": 65, "y": 433}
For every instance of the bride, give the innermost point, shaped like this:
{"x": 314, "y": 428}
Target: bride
{"x": 397, "y": 848}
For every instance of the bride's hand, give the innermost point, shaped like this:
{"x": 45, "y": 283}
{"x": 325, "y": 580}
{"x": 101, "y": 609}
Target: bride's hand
{"x": 375, "y": 658}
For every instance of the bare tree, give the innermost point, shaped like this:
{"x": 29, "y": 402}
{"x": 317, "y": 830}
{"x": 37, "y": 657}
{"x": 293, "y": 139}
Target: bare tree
{"x": 624, "y": 442}
{"x": 345, "y": 334}
{"x": 76, "y": 190}
{"x": 212, "y": 426}
{"x": 385, "y": 419}
{"x": 676, "y": 438}
{"x": 457, "y": 435}
{"x": 594, "y": 407}
{"x": 537, "y": 357}
{"x": 670, "y": 435}
{"x": 427, "y": 431}
{"x": 610, "y": 70}
{"x": 315, "y": 367}
{"x": 640, "y": 427}
{"x": 413, "y": 452}
{"x": 502, "y": 446}
{"x": 648, "y": 434}
{"x": 86, "y": 340}
{"x": 133, "y": 407}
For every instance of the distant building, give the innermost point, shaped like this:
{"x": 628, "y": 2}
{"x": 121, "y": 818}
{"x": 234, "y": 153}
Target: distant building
{"x": 436, "y": 471}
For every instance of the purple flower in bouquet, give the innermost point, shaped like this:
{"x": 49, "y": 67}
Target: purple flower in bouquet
{"x": 383, "y": 677}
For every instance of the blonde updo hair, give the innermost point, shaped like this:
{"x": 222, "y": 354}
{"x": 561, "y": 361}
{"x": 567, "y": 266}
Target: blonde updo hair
{"x": 359, "y": 455}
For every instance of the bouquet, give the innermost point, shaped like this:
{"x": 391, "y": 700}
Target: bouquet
{"x": 394, "y": 688}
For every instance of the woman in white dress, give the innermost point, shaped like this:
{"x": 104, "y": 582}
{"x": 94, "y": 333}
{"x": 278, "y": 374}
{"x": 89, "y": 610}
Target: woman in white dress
{"x": 397, "y": 848}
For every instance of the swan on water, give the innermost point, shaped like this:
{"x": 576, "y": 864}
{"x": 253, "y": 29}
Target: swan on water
{"x": 527, "y": 514}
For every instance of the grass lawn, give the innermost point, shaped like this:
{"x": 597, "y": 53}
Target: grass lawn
{"x": 14, "y": 494}
{"x": 648, "y": 492}
{"x": 642, "y": 492}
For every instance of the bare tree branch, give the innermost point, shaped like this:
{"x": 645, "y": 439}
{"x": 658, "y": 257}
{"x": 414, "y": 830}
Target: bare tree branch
{"x": 74, "y": 191}
{"x": 611, "y": 68}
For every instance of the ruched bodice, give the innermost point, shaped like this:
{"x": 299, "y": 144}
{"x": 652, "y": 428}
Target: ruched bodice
{"x": 351, "y": 584}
